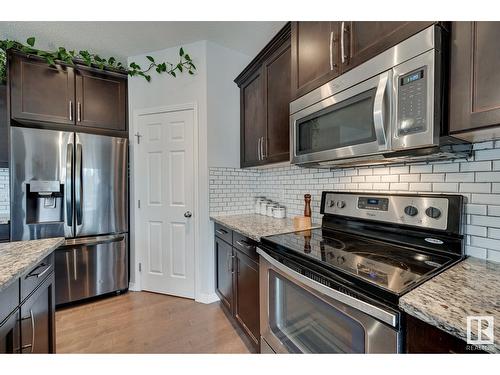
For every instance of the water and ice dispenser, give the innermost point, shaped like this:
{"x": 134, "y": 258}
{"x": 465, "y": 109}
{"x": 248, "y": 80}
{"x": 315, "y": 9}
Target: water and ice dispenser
{"x": 44, "y": 202}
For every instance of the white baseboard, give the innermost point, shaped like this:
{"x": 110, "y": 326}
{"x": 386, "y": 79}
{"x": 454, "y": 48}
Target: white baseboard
{"x": 207, "y": 298}
{"x": 133, "y": 287}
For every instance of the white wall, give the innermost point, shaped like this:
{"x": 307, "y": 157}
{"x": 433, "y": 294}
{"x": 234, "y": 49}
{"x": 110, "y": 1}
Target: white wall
{"x": 217, "y": 99}
{"x": 223, "y": 99}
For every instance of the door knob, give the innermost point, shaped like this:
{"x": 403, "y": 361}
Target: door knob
{"x": 188, "y": 214}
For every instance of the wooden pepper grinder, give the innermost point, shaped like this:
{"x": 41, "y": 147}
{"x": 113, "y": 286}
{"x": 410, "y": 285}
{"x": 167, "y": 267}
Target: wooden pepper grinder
{"x": 307, "y": 205}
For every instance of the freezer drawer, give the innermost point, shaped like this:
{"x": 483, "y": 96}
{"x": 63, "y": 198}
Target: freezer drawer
{"x": 88, "y": 267}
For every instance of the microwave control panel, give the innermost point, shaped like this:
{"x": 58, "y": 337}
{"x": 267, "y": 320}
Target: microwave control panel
{"x": 412, "y": 100}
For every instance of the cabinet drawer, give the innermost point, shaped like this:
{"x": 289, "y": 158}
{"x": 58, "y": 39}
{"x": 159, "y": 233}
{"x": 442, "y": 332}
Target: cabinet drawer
{"x": 224, "y": 233}
{"x": 245, "y": 245}
{"x": 32, "y": 279}
{"x": 9, "y": 300}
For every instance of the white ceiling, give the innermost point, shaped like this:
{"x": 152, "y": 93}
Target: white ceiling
{"x": 123, "y": 39}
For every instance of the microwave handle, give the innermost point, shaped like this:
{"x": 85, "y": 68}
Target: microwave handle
{"x": 378, "y": 111}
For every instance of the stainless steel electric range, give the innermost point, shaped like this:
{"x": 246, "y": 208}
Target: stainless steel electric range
{"x": 335, "y": 289}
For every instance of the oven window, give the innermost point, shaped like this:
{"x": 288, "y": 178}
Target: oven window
{"x": 343, "y": 124}
{"x": 305, "y": 323}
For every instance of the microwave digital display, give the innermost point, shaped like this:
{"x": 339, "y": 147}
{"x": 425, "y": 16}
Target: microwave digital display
{"x": 412, "y": 77}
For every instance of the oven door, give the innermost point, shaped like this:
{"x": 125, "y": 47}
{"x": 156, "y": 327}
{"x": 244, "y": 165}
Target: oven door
{"x": 299, "y": 315}
{"x": 354, "y": 122}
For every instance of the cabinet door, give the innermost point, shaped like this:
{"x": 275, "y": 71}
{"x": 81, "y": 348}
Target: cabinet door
{"x": 4, "y": 136}
{"x": 276, "y": 146}
{"x": 315, "y": 55}
{"x": 474, "y": 76}
{"x": 38, "y": 319}
{"x": 40, "y": 92}
{"x": 366, "y": 39}
{"x": 224, "y": 272}
{"x": 10, "y": 334}
{"x": 101, "y": 101}
{"x": 246, "y": 306}
{"x": 253, "y": 127}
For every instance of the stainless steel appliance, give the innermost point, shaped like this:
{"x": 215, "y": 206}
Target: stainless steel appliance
{"x": 389, "y": 109}
{"x": 73, "y": 185}
{"x": 336, "y": 289}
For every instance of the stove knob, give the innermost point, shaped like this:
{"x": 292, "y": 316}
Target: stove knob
{"x": 332, "y": 203}
{"x": 340, "y": 204}
{"x": 340, "y": 259}
{"x": 433, "y": 212}
{"x": 411, "y": 210}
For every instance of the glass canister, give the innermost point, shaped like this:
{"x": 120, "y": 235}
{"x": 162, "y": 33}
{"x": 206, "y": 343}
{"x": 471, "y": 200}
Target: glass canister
{"x": 269, "y": 208}
{"x": 263, "y": 206}
{"x": 279, "y": 212}
{"x": 258, "y": 201}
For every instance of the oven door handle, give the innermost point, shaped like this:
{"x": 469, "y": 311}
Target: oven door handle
{"x": 374, "y": 311}
{"x": 379, "y": 113}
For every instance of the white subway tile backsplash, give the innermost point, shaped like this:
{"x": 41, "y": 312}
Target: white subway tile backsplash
{"x": 4, "y": 194}
{"x": 233, "y": 190}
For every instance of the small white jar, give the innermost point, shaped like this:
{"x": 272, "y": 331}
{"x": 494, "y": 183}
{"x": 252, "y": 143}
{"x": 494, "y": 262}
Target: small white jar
{"x": 279, "y": 212}
{"x": 269, "y": 208}
{"x": 258, "y": 201}
{"x": 263, "y": 206}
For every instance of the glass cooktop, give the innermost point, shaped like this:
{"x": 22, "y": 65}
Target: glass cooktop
{"x": 388, "y": 266}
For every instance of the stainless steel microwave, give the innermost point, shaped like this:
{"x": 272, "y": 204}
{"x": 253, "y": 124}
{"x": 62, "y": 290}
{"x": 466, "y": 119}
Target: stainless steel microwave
{"x": 387, "y": 109}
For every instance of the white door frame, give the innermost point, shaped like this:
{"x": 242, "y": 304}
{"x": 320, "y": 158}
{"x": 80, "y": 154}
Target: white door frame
{"x": 135, "y": 216}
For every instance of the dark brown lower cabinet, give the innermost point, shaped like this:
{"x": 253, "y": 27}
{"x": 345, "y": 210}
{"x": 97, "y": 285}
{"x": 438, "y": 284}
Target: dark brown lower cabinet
{"x": 237, "y": 282}
{"x": 424, "y": 338}
{"x": 38, "y": 319}
{"x": 223, "y": 271}
{"x": 10, "y": 334}
{"x": 246, "y": 295}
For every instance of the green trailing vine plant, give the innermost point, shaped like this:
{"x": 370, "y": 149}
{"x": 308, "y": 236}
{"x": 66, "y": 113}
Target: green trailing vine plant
{"x": 185, "y": 63}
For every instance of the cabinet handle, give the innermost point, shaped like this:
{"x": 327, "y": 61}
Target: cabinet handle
{"x": 232, "y": 262}
{"x": 79, "y": 112}
{"x": 245, "y": 244}
{"x": 259, "y": 149}
{"x": 40, "y": 274}
{"x": 262, "y": 156}
{"x": 32, "y": 330}
{"x": 342, "y": 42}
{"x": 70, "y": 110}
{"x": 331, "y": 50}
{"x": 221, "y": 231}
{"x": 30, "y": 346}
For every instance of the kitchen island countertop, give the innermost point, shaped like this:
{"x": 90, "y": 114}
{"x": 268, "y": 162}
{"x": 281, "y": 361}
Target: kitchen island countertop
{"x": 469, "y": 288}
{"x": 18, "y": 257}
{"x": 256, "y": 226}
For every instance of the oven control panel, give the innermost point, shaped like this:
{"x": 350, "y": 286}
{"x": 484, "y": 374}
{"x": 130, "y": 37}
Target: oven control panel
{"x": 421, "y": 211}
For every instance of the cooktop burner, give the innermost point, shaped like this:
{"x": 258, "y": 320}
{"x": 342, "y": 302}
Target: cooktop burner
{"x": 391, "y": 267}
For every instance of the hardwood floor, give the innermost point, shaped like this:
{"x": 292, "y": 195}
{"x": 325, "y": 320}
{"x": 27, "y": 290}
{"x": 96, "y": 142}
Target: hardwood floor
{"x": 142, "y": 322}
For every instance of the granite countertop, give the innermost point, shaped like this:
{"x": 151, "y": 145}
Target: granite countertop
{"x": 471, "y": 287}
{"x": 256, "y": 226}
{"x": 16, "y": 258}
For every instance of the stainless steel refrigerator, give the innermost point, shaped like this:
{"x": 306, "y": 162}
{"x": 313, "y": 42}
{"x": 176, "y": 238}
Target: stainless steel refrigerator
{"x": 73, "y": 185}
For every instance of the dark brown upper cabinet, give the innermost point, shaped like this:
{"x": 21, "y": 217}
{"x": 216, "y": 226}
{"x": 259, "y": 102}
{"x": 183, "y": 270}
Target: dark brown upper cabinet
{"x": 65, "y": 95}
{"x": 362, "y": 40}
{"x": 101, "y": 100}
{"x": 322, "y": 51}
{"x": 277, "y": 71}
{"x": 4, "y": 128}
{"x": 315, "y": 55}
{"x": 253, "y": 126}
{"x": 40, "y": 92}
{"x": 474, "y": 81}
{"x": 264, "y": 104}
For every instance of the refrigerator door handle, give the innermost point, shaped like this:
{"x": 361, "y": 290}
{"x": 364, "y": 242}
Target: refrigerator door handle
{"x": 69, "y": 184}
{"x": 78, "y": 184}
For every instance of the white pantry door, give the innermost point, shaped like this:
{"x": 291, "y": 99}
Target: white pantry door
{"x": 165, "y": 175}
